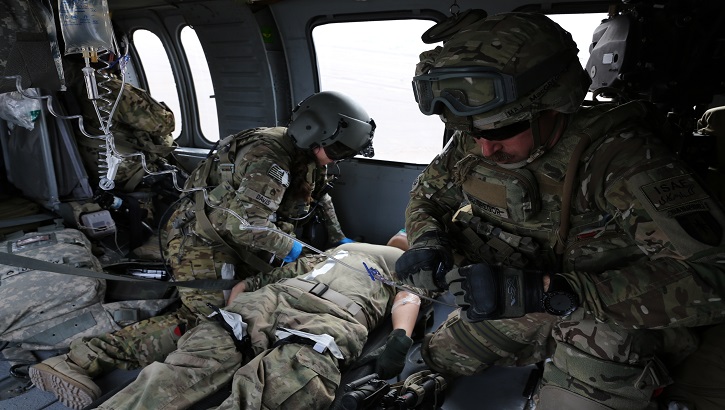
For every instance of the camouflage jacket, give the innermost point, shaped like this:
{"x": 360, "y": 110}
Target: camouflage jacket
{"x": 253, "y": 187}
{"x": 375, "y": 297}
{"x": 644, "y": 244}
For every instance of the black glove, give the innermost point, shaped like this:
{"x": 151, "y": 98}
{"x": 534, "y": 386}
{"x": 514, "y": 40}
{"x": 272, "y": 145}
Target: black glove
{"x": 484, "y": 293}
{"x": 425, "y": 264}
{"x": 391, "y": 360}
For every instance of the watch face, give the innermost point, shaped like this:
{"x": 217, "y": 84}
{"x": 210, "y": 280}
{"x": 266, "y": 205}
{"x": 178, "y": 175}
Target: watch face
{"x": 560, "y": 303}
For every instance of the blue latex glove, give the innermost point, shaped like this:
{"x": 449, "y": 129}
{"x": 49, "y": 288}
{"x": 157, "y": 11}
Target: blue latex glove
{"x": 294, "y": 253}
{"x": 345, "y": 240}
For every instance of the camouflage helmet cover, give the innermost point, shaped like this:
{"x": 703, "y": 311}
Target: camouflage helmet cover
{"x": 528, "y": 47}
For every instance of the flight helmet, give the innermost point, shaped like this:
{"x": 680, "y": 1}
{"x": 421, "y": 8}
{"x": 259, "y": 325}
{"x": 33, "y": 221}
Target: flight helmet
{"x": 335, "y": 122}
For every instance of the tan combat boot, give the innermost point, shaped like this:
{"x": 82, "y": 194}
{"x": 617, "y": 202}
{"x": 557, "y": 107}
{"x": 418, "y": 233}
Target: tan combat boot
{"x": 68, "y": 381}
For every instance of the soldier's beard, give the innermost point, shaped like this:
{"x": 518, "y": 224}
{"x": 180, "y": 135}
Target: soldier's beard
{"x": 505, "y": 160}
{"x": 500, "y": 157}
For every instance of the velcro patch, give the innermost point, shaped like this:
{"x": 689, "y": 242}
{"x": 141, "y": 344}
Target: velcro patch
{"x": 673, "y": 193}
{"x": 266, "y": 201}
{"x": 279, "y": 175}
{"x": 488, "y": 208}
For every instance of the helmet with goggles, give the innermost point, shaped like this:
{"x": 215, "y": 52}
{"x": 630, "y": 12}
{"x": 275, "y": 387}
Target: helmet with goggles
{"x": 335, "y": 122}
{"x": 501, "y": 71}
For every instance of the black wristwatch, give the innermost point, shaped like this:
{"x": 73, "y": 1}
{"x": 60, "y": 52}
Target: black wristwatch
{"x": 560, "y": 302}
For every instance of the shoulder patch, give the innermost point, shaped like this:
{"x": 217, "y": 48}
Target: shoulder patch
{"x": 673, "y": 193}
{"x": 683, "y": 199}
{"x": 280, "y": 175}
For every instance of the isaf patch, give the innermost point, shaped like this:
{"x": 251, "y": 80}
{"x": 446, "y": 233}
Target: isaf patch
{"x": 280, "y": 175}
{"x": 681, "y": 198}
{"x": 677, "y": 196}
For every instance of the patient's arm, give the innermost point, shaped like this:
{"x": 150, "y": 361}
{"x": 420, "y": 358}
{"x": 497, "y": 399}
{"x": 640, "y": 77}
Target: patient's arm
{"x": 405, "y": 311}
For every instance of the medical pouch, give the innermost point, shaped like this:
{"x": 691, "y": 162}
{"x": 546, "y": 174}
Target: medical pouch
{"x": 47, "y": 310}
{"x": 503, "y": 194}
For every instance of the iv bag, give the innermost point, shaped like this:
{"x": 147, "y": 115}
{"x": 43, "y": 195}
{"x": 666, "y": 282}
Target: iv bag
{"x": 86, "y": 26}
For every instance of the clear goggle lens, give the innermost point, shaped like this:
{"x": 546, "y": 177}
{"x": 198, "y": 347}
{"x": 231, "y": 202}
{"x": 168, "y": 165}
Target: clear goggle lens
{"x": 465, "y": 91}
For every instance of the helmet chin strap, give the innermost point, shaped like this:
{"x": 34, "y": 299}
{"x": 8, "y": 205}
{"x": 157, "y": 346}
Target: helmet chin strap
{"x": 541, "y": 146}
{"x": 551, "y": 139}
{"x": 537, "y": 152}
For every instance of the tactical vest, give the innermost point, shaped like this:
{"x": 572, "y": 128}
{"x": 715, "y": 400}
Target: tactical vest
{"x": 217, "y": 171}
{"x": 511, "y": 205}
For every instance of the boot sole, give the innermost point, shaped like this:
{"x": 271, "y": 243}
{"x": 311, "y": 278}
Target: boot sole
{"x": 67, "y": 390}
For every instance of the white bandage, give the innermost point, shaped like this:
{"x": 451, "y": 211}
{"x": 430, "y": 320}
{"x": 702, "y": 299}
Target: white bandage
{"x": 411, "y": 298}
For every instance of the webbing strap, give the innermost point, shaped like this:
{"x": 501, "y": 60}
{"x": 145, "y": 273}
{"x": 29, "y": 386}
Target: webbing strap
{"x": 571, "y": 173}
{"x": 135, "y": 179}
{"x": 40, "y": 265}
{"x": 323, "y": 291}
{"x": 64, "y": 330}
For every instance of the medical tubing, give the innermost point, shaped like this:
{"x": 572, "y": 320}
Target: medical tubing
{"x": 245, "y": 225}
{"x": 49, "y": 104}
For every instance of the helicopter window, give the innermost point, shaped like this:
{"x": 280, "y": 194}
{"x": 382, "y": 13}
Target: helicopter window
{"x": 203, "y": 86}
{"x": 159, "y": 76}
{"x": 374, "y": 62}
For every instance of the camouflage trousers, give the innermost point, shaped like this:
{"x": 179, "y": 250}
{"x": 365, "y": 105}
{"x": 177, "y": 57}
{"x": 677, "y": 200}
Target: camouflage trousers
{"x": 153, "y": 339}
{"x": 286, "y": 376}
{"x": 593, "y": 365}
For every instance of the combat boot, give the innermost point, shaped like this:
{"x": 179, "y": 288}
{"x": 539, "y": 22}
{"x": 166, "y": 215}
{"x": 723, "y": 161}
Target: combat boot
{"x": 68, "y": 381}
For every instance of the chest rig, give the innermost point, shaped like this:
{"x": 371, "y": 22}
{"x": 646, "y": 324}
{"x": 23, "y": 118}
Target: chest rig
{"x": 297, "y": 211}
{"x": 528, "y": 217}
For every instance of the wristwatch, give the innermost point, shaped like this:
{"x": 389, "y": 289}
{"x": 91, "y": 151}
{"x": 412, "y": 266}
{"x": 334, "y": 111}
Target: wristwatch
{"x": 560, "y": 302}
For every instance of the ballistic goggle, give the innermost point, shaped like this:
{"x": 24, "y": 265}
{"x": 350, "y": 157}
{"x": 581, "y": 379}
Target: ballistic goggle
{"x": 468, "y": 91}
{"x": 465, "y": 91}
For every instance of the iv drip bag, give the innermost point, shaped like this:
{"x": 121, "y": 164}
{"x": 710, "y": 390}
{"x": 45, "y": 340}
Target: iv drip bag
{"x": 86, "y": 26}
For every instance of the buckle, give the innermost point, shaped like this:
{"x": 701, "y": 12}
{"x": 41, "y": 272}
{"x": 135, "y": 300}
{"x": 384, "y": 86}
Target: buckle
{"x": 319, "y": 292}
{"x": 226, "y": 167}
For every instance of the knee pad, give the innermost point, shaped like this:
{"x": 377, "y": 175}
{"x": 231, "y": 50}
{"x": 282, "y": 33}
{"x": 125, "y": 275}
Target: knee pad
{"x": 612, "y": 384}
{"x": 425, "y": 352}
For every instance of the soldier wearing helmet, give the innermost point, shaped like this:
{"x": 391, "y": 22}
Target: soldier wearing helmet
{"x": 564, "y": 232}
{"x": 257, "y": 183}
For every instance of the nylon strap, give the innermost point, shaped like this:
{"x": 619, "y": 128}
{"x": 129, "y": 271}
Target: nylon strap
{"x": 571, "y": 173}
{"x": 63, "y": 330}
{"x": 323, "y": 291}
{"x": 135, "y": 179}
{"x": 37, "y": 264}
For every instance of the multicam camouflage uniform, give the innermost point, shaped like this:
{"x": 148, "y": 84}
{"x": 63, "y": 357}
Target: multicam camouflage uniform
{"x": 278, "y": 375}
{"x": 255, "y": 191}
{"x": 251, "y": 183}
{"x": 643, "y": 250}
